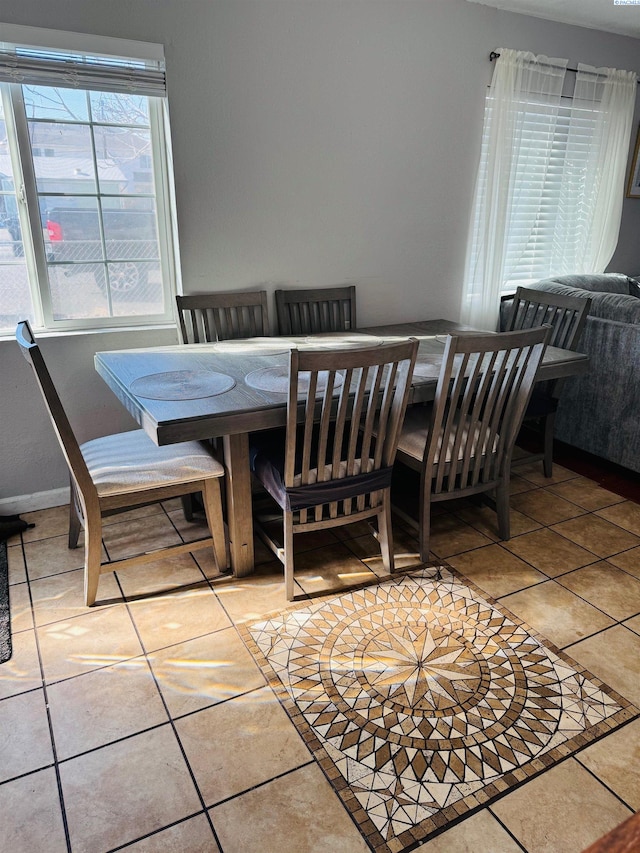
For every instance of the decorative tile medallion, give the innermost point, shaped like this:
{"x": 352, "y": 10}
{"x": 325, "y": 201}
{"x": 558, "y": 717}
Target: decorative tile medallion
{"x": 422, "y": 700}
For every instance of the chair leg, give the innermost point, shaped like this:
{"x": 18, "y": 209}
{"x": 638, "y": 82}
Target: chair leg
{"x": 385, "y": 534}
{"x": 75, "y": 523}
{"x": 92, "y": 557}
{"x": 425, "y": 521}
{"x": 548, "y": 427}
{"x": 503, "y": 509}
{"x": 288, "y": 554}
{"x": 212, "y": 498}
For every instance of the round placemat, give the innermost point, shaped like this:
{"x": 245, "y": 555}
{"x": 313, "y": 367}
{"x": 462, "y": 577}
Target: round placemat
{"x": 276, "y": 379}
{"x": 331, "y": 340}
{"x": 254, "y": 346}
{"x": 182, "y": 385}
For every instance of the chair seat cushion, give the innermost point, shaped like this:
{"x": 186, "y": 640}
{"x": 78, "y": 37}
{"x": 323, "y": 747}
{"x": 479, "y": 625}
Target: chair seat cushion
{"x": 267, "y": 457}
{"x": 415, "y": 431}
{"x": 131, "y": 462}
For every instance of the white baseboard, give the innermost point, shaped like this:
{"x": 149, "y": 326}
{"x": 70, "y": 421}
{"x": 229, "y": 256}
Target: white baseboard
{"x": 38, "y": 500}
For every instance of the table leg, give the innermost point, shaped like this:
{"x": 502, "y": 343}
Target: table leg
{"x": 239, "y": 515}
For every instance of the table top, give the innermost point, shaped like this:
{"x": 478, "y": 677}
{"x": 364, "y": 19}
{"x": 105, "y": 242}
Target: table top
{"x": 196, "y": 391}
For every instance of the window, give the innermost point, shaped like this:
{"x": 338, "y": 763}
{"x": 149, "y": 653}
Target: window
{"x": 550, "y": 184}
{"x": 548, "y": 192}
{"x": 85, "y": 224}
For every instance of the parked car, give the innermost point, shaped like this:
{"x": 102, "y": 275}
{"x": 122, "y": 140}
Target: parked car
{"x": 73, "y": 236}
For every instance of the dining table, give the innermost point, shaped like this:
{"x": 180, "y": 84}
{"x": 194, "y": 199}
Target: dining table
{"x": 229, "y": 389}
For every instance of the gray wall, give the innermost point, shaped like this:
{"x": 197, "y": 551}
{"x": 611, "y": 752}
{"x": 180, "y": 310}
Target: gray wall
{"x": 315, "y": 142}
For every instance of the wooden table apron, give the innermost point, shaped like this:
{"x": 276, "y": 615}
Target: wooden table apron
{"x": 232, "y": 415}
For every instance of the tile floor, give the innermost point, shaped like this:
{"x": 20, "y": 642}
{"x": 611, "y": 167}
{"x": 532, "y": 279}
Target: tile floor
{"x": 144, "y": 723}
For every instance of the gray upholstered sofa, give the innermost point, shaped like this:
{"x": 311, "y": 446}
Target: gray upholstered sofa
{"x": 600, "y": 411}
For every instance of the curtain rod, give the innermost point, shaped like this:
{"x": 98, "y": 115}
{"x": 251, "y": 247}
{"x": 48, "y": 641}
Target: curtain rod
{"x": 493, "y": 55}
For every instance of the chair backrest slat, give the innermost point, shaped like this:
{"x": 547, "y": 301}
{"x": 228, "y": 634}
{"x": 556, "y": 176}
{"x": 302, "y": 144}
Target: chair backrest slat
{"x": 312, "y": 311}
{"x": 344, "y": 413}
{"x": 483, "y": 389}
{"x": 565, "y": 314}
{"x": 210, "y": 317}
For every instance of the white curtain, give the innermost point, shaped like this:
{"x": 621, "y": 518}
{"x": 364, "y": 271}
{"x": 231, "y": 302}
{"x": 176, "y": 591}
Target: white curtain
{"x": 550, "y": 185}
{"x": 611, "y": 96}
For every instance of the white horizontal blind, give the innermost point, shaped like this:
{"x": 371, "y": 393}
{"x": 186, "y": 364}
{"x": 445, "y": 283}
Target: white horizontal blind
{"x": 549, "y": 225}
{"x": 73, "y": 69}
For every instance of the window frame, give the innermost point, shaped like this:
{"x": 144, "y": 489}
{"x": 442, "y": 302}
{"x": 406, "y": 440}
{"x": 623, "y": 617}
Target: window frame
{"x": 26, "y": 191}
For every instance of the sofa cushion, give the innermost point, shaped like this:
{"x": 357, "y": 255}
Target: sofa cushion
{"x": 612, "y": 282}
{"x": 608, "y": 306}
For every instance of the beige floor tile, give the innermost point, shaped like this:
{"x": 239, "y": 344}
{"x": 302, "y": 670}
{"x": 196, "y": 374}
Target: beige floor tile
{"x": 615, "y": 760}
{"x": 87, "y": 642}
{"x": 22, "y": 671}
{"x": 48, "y": 522}
{"x": 484, "y": 519}
{"x": 61, "y": 597}
{"x": 449, "y": 536}
{"x": 628, "y": 560}
{"x": 330, "y": 569}
{"x": 605, "y": 586}
{"x": 564, "y": 809}
{"x": 51, "y": 557}
{"x": 535, "y": 474}
{"x": 633, "y": 624}
{"x": 556, "y": 613}
{"x": 495, "y": 570}
{"x": 262, "y": 553}
{"x": 519, "y": 484}
{"x": 480, "y": 832}
{"x": 20, "y": 608}
{"x": 125, "y": 790}
{"x": 150, "y": 579}
{"x": 626, "y": 515}
{"x": 31, "y": 815}
{"x": 585, "y": 493}
{"x": 597, "y": 535}
{"x": 256, "y": 742}
{"x": 190, "y": 836}
{"x": 17, "y": 570}
{"x": 204, "y": 558}
{"x": 176, "y": 616}
{"x": 205, "y": 671}
{"x": 128, "y": 538}
{"x": 352, "y": 531}
{"x": 133, "y": 514}
{"x": 549, "y": 552}
{"x": 25, "y": 742}
{"x": 253, "y": 597}
{"x": 299, "y": 812}
{"x": 189, "y": 530}
{"x": 614, "y": 657}
{"x": 367, "y": 549}
{"x": 545, "y": 507}
{"x": 107, "y": 704}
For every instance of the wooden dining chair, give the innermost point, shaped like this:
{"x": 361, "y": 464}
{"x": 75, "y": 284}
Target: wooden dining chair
{"x": 332, "y": 466}
{"x": 462, "y": 444}
{"x": 209, "y": 317}
{"x": 566, "y": 315}
{"x": 312, "y": 311}
{"x": 119, "y": 472}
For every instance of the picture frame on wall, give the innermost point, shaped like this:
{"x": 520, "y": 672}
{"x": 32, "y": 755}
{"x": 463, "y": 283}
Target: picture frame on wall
{"x": 633, "y": 185}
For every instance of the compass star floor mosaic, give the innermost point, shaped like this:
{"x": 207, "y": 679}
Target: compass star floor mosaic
{"x": 422, "y": 700}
